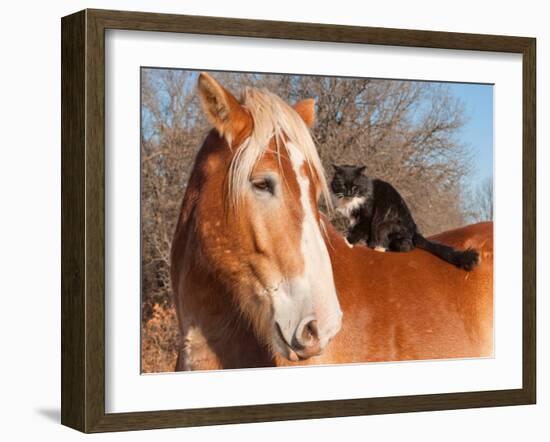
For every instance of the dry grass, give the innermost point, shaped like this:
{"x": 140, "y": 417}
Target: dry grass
{"x": 159, "y": 340}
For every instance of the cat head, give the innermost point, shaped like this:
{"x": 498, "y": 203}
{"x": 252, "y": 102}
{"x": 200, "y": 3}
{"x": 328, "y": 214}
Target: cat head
{"x": 346, "y": 180}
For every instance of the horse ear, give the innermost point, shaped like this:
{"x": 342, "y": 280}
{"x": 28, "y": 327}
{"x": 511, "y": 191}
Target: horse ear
{"x": 306, "y": 110}
{"x": 222, "y": 109}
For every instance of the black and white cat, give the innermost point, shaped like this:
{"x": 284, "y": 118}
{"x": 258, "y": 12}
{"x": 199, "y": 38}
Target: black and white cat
{"x": 378, "y": 215}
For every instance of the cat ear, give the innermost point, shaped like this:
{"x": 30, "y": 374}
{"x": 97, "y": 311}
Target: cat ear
{"x": 336, "y": 168}
{"x": 361, "y": 169}
{"x": 306, "y": 110}
{"x": 222, "y": 109}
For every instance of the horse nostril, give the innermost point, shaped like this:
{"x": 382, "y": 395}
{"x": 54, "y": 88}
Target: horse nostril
{"x": 311, "y": 332}
{"x": 307, "y": 335}
{"x": 306, "y": 342}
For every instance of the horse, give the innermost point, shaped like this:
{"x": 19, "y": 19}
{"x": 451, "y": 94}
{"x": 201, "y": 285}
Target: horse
{"x": 261, "y": 278}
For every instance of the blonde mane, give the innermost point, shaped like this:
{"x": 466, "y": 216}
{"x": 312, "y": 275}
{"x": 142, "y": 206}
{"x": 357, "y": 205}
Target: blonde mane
{"x": 273, "y": 118}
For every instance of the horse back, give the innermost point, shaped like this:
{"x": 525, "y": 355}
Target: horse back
{"x": 403, "y": 306}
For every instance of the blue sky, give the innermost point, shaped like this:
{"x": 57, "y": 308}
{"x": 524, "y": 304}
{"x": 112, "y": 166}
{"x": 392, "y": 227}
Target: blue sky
{"x": 477, "y": 133}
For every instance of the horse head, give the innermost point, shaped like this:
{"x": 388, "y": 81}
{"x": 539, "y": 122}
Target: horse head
{"x": 257, "y": 227}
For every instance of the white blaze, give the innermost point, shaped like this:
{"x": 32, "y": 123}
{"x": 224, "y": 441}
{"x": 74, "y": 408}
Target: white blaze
{"x": 313, "y": 294}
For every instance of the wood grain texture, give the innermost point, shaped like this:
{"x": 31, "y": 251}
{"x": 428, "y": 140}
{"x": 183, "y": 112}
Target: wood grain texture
{"x": 73, "y": 128}
{"x": 95, "y": 221}
{"x": 143, "y": 21}
{"x": 83, "y": 219}
{"x": 529, "y": 220}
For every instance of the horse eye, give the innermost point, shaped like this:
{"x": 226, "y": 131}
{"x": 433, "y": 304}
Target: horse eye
{"x": 263, "y": 185}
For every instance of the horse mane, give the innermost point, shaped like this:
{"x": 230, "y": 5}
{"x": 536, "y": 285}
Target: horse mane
{"x": 272, "y": 118}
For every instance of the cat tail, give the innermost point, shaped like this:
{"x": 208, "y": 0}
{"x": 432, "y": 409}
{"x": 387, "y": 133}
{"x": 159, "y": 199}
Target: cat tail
{"x": 463, "y": 259}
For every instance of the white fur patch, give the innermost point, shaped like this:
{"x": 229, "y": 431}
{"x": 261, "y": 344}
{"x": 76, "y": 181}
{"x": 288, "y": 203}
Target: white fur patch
{"x": 313, "y": 294}
{"x": 346, "y": 206}
{"x": 380, "y": 249}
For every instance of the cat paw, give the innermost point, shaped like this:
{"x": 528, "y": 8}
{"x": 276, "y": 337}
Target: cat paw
{"x": 348, "y": 243}
{"x": 380, "y": 249}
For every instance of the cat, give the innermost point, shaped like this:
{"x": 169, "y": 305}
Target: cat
{"x": 377, "y": 214}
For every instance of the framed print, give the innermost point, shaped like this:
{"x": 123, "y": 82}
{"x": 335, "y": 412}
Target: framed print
{"x": 269, "y": 221}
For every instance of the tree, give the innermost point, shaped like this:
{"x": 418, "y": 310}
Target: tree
{"x": 404, "y": 131}
{"x": 481, "y": 202}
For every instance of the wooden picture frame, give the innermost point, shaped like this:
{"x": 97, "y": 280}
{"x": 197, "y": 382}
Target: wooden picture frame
{"x": 83, "y": 219}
